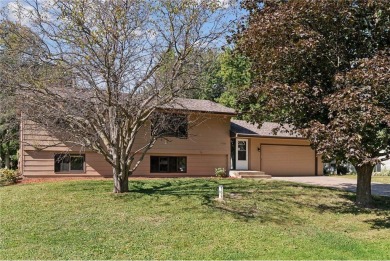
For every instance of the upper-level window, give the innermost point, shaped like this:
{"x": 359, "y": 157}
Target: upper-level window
{"x": 69, "y": 163}
{"x": 169, "y": 125}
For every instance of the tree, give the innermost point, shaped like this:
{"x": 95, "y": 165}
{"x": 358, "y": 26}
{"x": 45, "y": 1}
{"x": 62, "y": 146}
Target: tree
{"x": 323, "y": 66}
{"x": 235, "y": 73}
{"x": 10, "y": 60}
{"x": 210, "y": 85}
{"x": 107, "y": 66}
{"x": 8, "y": 128}
{"x": 224, "y": 75}
{"x": 9, "y": 132}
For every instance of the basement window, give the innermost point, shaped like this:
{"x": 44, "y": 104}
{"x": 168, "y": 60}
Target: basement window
{"x": 67, "y": 163}
{"x": 165, "y": 164}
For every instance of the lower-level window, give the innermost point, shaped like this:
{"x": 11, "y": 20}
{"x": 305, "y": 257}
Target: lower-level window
{"x": 69, "y": 163}
{"x": 167, "y": 164}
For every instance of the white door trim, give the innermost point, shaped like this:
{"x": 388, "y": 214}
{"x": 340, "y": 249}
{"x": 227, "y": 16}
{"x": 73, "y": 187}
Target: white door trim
{"x": 242, "y": 164}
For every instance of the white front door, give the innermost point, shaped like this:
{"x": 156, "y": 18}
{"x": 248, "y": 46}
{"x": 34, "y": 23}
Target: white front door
{"x": 242, "y": 154}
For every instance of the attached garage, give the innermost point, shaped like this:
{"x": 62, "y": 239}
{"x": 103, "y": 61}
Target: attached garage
{"x": 273, "y": 149}
{"x": 290, "y": 160}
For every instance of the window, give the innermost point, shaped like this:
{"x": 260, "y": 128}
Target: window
{"x": 69, "y": 163}
{"x": 241, "y": 150}
{"x": 168, "y": 164}
{"x": 169, "y": 125}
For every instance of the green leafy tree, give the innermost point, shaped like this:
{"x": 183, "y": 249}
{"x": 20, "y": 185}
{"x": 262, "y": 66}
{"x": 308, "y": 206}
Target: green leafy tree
{"x": 224, "y": 76}
{"x": 209, "y": 85}
{"x": 18, "y": 57}
{"x": 9, "y": 126}
{"x": 323, "y": 66}
{"x": 9, "y": 119}
{"x": 9, "y": 132}
{"x": 235, "y": 73}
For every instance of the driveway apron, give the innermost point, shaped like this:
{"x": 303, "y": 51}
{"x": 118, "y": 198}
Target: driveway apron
{"x": 379, "y": 189}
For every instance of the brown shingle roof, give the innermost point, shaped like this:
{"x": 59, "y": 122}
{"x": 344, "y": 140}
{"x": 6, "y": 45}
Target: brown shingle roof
{"x": 243, "y": 128}
{"x": 198, "y": 106}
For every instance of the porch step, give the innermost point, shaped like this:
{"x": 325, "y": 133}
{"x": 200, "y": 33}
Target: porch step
{"x": 248, "y": 174}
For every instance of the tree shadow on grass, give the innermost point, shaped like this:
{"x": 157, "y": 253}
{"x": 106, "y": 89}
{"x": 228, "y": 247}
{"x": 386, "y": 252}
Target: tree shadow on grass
{"x": 380, "y": 223}
{"x": 243, "y": 199}
{"x": 262, "y": 201}
{"x": 380, "y": 208}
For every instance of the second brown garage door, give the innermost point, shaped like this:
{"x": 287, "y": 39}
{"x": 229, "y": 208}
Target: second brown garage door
{"x": 279, "y": 160}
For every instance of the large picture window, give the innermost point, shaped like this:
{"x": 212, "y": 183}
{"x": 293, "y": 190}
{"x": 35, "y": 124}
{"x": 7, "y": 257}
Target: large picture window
{"x": 169, "y": 125}
{"x": 69, "y": 163}
{"x": 165, "y": 164}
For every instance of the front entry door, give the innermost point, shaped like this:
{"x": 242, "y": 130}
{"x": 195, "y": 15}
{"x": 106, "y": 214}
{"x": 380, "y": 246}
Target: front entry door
{"x": 242, "y": 154}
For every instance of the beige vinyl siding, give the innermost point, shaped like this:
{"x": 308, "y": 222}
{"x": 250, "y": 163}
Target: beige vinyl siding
{"x": 207, "y": 134}
{"x": 21, "y": 148}
{"x": 41, "y": 163}
{"x": 206, "y": 148}
{"x": 36, "y": 138}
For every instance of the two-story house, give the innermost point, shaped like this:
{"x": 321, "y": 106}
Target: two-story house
{"x": 207, "y": 138}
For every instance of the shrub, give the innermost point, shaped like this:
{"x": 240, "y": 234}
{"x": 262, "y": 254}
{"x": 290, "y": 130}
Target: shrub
{"x": 220, "y": 172}
{"x": 9, "y": 176}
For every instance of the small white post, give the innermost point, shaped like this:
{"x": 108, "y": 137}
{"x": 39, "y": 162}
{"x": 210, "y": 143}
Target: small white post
{"x": 220, "y": 190}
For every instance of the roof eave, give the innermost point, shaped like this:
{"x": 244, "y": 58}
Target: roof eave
{"x": 199, "y": 111}
{"x": 243, "y": 135}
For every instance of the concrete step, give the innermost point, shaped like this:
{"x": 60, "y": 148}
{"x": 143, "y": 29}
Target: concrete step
{"x": 250, "y": 174}
{"x": 255, "y": 176}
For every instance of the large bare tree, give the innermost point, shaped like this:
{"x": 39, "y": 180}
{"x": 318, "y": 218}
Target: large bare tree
{"x": 106, "y": 66}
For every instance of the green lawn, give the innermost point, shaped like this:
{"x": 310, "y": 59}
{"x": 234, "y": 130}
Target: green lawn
{"x": 380, "y": 179}
{"x": 180, "y": 219}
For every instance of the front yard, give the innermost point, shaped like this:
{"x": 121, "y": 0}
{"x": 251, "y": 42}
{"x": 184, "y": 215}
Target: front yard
{"x": 180, "y": 219}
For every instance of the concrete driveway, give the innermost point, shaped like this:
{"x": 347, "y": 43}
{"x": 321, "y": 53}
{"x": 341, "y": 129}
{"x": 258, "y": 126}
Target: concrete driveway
{"x": 379, "y": 189}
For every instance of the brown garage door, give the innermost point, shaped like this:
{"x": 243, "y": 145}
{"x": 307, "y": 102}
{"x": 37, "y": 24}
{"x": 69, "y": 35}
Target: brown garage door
{"x": 278, "y": 160}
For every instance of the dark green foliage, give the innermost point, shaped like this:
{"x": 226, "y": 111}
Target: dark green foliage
{"x": 323, "y": 67}
{"x": 225, "y": 76}
{"x": 9, "y": 120}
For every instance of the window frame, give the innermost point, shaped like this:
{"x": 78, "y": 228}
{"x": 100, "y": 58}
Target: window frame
{"x": 170, "y": 133}
{"x": 152, "y": 168}
{"x": 63, "y": 156}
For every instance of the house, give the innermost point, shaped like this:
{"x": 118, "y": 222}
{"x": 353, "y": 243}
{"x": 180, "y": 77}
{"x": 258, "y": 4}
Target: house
{"x": 383, "y": 166}
{"x": 208, "y": 139}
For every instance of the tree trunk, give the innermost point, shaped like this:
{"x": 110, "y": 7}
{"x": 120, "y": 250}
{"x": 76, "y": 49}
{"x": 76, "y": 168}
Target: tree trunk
{"x": 7, "y": 158}
{"x": 1, "y": 156}
{"x": 363, "y": 190}
{"x": 121, "y": 181}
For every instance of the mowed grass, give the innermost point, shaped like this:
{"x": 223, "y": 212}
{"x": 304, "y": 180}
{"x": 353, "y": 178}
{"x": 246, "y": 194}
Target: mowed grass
{"x": 180, "y": 219}
{"x": 380, "y": 179}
